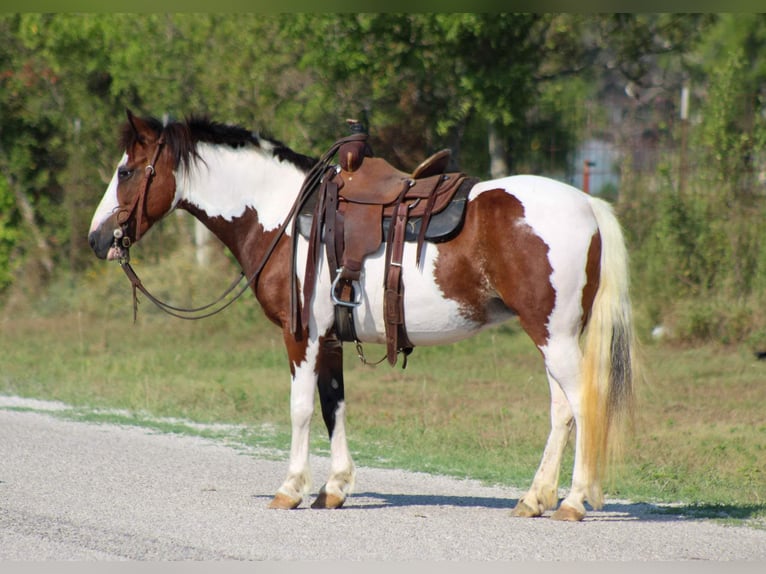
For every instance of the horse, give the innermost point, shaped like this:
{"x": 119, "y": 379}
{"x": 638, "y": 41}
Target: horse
{"x": 530, "y": 248}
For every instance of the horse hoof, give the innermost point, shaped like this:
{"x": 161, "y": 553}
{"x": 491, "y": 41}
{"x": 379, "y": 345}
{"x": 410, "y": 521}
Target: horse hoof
{"x": 523, "y": 510}
{"x": 284, "y": 502}
{"x": 330, "y": 501}
{"x": 568, "y": 513}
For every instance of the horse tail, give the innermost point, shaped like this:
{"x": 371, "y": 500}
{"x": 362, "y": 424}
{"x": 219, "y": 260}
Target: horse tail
{"x": 610, "y": 363}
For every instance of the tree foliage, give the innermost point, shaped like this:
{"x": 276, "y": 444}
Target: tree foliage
{"x": 424, "y": 80}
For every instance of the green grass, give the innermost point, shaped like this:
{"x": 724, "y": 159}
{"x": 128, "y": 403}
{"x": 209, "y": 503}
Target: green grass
{"x": 475, "y": 409}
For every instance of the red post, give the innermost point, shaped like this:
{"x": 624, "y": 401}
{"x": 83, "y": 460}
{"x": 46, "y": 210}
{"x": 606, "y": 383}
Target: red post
{"x": 586, "y": 175}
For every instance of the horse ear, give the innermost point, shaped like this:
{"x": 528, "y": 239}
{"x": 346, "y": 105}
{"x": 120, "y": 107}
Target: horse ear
{"x": 131, "y": 120}
{"x": 140, "y": 128}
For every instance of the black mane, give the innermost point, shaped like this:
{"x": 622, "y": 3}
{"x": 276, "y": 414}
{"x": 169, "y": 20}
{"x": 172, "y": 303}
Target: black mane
{"x": 182, "y": 138}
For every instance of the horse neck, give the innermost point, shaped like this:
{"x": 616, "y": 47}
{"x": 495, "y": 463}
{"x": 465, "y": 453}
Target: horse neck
{"x": 242, "y": 195}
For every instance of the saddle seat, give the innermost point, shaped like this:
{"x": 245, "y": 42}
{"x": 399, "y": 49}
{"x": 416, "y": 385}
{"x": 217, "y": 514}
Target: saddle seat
{"x": 377, "y": 182}
{"x": 434, "y": 165}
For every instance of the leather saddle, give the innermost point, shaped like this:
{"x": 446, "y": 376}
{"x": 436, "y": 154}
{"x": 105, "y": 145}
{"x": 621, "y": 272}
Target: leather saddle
{"x": 364, "y": 202}
{"x": 443, "y": 221}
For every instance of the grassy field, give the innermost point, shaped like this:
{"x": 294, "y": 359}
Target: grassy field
{"x": 474, "y": 409}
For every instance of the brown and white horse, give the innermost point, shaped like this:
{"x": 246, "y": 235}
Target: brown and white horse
{"x": 530, "y": 247}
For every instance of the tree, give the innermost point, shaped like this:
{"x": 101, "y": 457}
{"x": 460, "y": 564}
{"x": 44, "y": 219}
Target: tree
{"x": 422, "y": 79}
{"x": 28, "y": 138}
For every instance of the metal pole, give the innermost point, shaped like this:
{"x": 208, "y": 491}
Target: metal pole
{"x": 684, "y": 136}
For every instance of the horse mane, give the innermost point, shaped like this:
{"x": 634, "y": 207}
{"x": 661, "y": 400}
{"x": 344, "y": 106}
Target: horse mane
{"x": 182, "y": 137}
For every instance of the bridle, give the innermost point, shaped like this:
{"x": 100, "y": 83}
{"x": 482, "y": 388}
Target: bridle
{"x": 122, "y": 242}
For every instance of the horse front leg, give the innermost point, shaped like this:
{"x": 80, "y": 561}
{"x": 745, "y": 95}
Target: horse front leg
{"x": 303, "y": 356}
{"x": 331, "y": 396}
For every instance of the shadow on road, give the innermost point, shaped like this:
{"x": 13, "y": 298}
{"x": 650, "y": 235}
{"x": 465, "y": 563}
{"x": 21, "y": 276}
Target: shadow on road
{"x": 612, "y": 511}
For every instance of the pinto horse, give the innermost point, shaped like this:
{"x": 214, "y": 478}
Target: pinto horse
{"x": 530, "y": 247}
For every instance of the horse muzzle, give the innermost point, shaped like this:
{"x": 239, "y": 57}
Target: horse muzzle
{"x": 109, "y": 246}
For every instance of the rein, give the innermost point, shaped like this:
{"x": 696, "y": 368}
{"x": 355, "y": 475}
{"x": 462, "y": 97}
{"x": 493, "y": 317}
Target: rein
{"x": 179, "y": 312}
{"x": 122, "y": 242}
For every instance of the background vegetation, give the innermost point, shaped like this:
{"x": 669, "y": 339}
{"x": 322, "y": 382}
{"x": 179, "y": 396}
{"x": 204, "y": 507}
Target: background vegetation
{"x": 507, "y": 93}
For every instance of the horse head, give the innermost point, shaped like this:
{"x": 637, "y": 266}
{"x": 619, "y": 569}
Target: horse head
{"x": 141, "y": 192}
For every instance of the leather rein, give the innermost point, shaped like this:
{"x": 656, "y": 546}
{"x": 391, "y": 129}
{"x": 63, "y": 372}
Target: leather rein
{"x": 122, "y": 242}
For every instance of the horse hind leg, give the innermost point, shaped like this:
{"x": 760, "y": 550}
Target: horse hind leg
{"x": 543, "y": 493}
{"x": 331, "y": 395}
{"x": 563, "y": 358}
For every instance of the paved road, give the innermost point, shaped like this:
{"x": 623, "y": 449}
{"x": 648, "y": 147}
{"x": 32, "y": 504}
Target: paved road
{"x": 84, "y": 491}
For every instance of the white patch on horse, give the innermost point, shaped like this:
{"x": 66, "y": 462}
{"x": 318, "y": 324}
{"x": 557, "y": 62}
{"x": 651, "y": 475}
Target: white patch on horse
{"x": 430, "y": 317}
{"x": 552, "y": 209}
{"x": 225, "y": 181}
{"x": 108, "y": 204}
{"x": 301, "y": 411}
{"x": 322, "y": 314}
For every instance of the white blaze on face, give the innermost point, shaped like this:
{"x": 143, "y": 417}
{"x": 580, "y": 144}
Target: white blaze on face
{"x": 108, "y": 203}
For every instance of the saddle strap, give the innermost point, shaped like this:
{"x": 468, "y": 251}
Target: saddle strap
{"x": 426, "y": 220}
{"x": 312, "y": 257}
{"x": 335, "y": 245}
{"x": 393, "y": 298}
{"x": 333, "y": 221}
{"x": 320, "y": 172}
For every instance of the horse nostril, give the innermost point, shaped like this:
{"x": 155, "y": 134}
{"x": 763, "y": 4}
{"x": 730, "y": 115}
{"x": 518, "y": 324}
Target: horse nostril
{"x": 92, "y": 240}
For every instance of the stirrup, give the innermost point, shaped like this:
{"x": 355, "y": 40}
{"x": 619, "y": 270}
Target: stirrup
{"x": 357, "y": 294}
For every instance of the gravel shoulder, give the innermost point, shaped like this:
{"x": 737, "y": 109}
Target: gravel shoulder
{"x": 84, "y": 491}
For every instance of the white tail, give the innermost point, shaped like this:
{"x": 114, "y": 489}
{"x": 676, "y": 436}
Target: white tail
{"x": 610, "y": 365}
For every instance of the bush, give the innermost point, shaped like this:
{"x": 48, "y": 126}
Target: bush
{"x": 698, "y": 264}
{"x": 717, "y": 320}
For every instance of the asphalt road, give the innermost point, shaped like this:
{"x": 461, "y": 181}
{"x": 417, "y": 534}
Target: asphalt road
{"x": 85, "y": 491}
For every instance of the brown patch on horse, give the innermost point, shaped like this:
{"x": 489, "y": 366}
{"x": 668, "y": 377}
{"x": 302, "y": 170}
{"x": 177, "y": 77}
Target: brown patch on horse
{"x": 245, "y": 237}
{"x": 515, "y": 262}
{"x": 459, "y": 267}
{"x": 296, "y": 349}
{"x": 161, "y": 188}
{"x": 592, "y": 274}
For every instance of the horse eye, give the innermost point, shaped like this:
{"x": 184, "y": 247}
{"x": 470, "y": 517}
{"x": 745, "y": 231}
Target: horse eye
{"x": 124, "y": 173}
